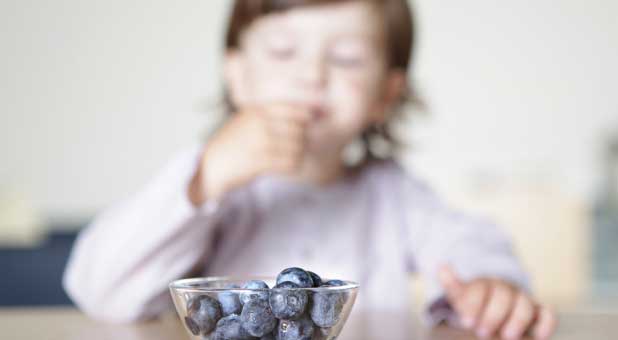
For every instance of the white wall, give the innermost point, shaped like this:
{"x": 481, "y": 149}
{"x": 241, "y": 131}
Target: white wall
{"x": 518, "y": 89}
{"x": 96, "y": 95}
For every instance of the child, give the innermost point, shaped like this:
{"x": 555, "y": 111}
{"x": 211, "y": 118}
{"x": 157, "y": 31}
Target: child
{"x": 270, "y": 189}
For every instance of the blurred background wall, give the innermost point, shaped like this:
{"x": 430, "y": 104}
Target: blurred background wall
{"x": 95, "y": 96}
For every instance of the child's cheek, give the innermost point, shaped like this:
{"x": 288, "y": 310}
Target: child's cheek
{"x": 265, "y": 88}
{"x": 353, "y": 98}
{"x": 268, "y": 82}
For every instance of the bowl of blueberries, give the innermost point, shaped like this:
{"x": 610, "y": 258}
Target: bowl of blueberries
{"x": 296, "y": 305}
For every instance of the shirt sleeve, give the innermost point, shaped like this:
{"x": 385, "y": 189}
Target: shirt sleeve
{"x": 122, "y": 263}
{"x": 474, "y": 248}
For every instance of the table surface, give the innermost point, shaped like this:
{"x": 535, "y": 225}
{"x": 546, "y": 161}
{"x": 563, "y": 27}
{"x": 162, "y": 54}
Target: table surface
{"x": 70, "y": 324}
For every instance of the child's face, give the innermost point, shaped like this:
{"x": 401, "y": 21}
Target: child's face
{"x": 329, "y": 57}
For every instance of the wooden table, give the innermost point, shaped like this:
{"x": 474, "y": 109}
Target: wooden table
{"x": 70, "y": 324}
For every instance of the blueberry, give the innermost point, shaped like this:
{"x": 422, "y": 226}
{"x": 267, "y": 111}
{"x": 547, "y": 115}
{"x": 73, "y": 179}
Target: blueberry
{"x": 203, "y": 312}
{"x": 301, "y": 329}
{"x": 257, "y": 318}
{"x": 254, "y": 284}
{"x": 296, "y": 275}
{"x": 317, "y": 281}
{"x": 287, "y": 301}
{"x": 269, "y": 336}
{"x": 230, "y": 302}
{"x": 229, "y": 328}
{"x": 327, "y": 305}
{"x": 192, "y": 326}
{"x": 334, "y": 283}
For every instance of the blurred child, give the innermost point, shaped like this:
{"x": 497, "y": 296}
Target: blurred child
{"x": 270, "y": 189}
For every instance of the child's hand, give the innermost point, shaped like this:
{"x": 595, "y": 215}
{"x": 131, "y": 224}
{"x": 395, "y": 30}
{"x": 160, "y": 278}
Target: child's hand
{"x": 492, "y": 307}
{"x": 253, "y": 142}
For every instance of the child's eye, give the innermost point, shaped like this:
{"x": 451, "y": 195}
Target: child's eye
{"x": 282, "y": 53}
{"x": 348, "y": 55}
{"x": 347, "y": 61}
{"x": 280, "y": 47}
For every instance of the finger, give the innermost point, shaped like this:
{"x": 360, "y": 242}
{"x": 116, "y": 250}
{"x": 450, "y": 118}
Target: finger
{"x": 260, "y": 128}
{"x": 298, "y": 113}
{"x": 284, "y": 165}
{"x": 270, "y": 164}
{"x": 546, "y": 323}
{"x": 496, "y": 310}
{"x": 451, "y": 283}
{"x": 285, "y": 129}
{"x": 471, "y": 305}
{"x": 287, "y": 142}
{"x": 520, "y": 318}
{"x": 283, "y": 157}
{"x": 287, "y": 151}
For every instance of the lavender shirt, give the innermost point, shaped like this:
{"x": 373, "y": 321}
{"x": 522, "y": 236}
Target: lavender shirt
{"x": 375, "y": 228}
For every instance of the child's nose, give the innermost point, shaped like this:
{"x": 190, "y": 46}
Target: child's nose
{"x": 312, "y": 74}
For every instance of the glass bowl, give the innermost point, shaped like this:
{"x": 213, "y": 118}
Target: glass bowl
{"x": 215, "y": 308}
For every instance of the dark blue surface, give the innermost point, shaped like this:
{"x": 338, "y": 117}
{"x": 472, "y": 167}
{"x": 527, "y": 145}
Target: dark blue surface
{"x": 33, "y": 276}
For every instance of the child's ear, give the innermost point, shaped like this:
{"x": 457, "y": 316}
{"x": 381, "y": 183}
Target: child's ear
{"x": 233, "y": 74}
{"x": 395, "y": 87}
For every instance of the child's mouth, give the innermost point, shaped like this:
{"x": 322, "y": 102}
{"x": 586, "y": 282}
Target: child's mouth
{"x": 318, "y": 113}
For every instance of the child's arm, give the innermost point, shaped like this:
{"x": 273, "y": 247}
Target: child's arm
{"x": 124, "y": 260}
{"x": 489, "y": 294}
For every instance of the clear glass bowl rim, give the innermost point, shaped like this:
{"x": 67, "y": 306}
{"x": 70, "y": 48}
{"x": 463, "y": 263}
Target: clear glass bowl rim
{"x": 188, "y": 285}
